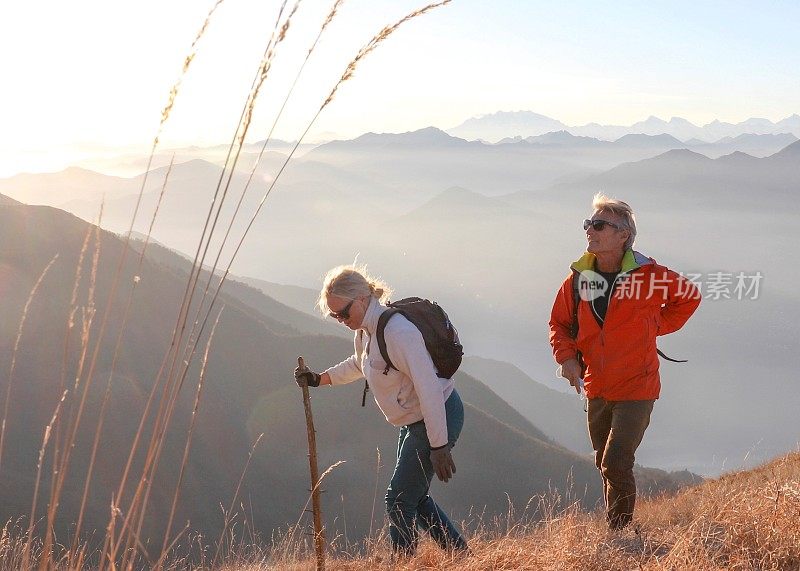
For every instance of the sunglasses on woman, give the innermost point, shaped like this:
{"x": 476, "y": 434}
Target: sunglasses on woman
{"x": 344, "y": 313}
{"x": 598, "y": 224}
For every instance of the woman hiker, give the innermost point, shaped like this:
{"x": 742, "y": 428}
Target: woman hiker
{"x": 426, "y": 408}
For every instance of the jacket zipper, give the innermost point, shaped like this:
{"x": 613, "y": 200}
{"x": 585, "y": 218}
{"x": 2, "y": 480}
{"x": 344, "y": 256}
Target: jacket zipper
{"x": 602, "y": 329}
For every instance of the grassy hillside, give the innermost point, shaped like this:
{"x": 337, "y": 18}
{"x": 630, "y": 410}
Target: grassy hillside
{"x": 744, "y": 520}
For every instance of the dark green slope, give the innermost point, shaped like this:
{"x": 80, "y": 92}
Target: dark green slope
{"x": 249, "y": 390}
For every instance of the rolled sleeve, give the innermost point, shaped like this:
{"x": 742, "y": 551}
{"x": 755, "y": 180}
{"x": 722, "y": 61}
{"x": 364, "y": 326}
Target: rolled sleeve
{"x": 561, "y": 316}
{"x": 345, "y": 372}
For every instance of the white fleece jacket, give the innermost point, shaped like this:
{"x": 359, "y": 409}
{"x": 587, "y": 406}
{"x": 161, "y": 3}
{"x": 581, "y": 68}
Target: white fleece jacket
{"x": 411, "y": 393}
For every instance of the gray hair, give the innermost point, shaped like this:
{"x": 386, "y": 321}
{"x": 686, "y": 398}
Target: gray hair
{"x": 621, "y": 209}
{"x": 351, "y": 282}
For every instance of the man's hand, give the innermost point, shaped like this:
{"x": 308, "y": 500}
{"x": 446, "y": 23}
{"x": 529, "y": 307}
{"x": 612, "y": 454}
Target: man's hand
{"x": 443, "y": 463}
{"x": 571, "y": 371}
{"x": 306, "y": 377}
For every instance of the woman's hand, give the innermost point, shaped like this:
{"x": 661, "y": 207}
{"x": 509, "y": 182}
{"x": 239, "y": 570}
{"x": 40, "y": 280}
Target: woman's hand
{"x": 443, "y": 463}
{"x": 306, "y": 377}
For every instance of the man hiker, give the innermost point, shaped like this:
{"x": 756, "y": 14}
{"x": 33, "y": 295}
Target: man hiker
{"x": 425, "y": 407}
{"x": 603, "y": 330}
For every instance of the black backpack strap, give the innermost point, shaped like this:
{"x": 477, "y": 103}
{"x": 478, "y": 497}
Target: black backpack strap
{"x": 366, "y": 382}
{"x": 670, "y": 358}
{"x": 573, "y": 330}
{"x": 382, "y": 321}
{"x": 576, "y": 297}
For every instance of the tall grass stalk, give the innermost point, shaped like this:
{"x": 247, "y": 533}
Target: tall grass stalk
{"x": 166, "y": 111}
{"x": 73, "y": 308}
{"x": 60, "y": 470}
{"x": 375, "y": 494}
{"x": 32, "y": 517}
{"x": 188, "y": 446}
{"x": 230, "y": 163}
{"x": 348, "y": 74}
{"x": 234, "y": 499}
{"x": 117, "y": 347}
{"x": 331, "y": 15}
{"x": 22, "y": 319}
{"x": 172, "y": 388}
{"x": 349, "y": 71}
{"x": 229, "y": 169}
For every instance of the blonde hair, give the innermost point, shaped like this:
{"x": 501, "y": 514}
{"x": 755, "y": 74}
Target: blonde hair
{"x": 351, "y": 282}
{"x": 621, "y": 209}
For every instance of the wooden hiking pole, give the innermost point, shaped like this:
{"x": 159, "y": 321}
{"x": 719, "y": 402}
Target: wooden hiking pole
{"x": 319, "y": 534}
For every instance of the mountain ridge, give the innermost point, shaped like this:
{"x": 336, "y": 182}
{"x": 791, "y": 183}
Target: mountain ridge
{"x": 496, "y": 126}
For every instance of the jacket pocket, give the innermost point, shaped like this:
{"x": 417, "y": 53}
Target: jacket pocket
{"x": 394, "y": 391}
{"x": 407, "y": 396}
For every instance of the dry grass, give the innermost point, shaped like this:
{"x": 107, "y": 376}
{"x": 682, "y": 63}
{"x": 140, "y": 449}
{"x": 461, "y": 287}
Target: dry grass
{"x": 742, "y": 521}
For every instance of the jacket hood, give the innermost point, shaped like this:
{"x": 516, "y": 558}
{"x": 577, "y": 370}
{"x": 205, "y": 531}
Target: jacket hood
{"x": 632, "y": 260}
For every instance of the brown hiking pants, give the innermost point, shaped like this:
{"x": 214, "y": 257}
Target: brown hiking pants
{"x": 616, "y": 429}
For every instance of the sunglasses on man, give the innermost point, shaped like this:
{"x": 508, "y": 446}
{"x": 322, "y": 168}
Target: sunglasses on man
{"x": 599, "y": 224}
{"x": 344, "y": 313}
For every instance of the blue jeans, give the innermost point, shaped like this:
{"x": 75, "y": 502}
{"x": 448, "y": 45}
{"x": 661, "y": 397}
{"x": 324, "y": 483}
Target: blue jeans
{"x": 407, "y": 501}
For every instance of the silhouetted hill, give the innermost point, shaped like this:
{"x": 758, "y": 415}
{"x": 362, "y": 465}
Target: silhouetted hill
{"x": 63, "y": 186}
{"x": 6, "y": 201}
{"x": 249, "y": 390}
{"x": 559, "y": 415}
{"x": 300, "y": 298}
{"x": 789, "y": 153}
{"x": 694, "y": 180}
{"x": 427, "y": 137}
{"x": 557, "y": 139}
{"x": 288, "y": 319}
{"x": 659, "y": 141}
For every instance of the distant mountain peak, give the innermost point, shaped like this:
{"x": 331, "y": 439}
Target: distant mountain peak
{"x": 684, "y": 153}
{"x": 456, "y": 199}
{"x": 791, "y": 150}
{"x": 737, "y": 157}
{"x": 563, "y": 134}
{"x": 502, "y": 124}
{"x": 425, "y": 137}
{"x": 192, "y": 166}
{"x": 682, "y": 156}
{"x": 640, "y": 139}
{"x": 515, "y": 114}
{"x": 461, "y": 195}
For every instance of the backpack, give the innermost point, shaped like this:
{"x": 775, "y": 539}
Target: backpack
{"x": 439, "y": 334}
{"x": 441, "y": 338}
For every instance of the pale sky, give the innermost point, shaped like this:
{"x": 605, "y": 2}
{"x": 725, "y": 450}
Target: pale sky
{"x": 96, "y": 73}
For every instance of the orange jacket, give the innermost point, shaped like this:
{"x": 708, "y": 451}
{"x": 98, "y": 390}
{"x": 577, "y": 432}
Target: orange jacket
{"x": 621, "y": 359}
